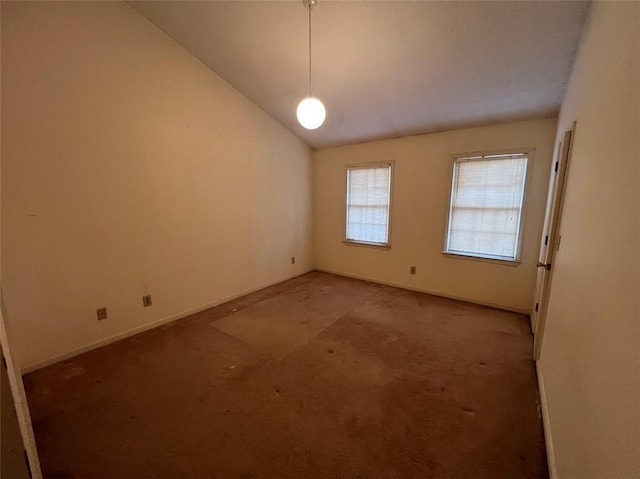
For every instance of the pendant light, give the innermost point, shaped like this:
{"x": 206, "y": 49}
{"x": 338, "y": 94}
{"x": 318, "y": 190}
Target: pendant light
{"x": 310, "y": 112}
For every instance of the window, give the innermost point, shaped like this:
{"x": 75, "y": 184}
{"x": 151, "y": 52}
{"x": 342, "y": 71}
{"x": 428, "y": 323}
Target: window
{"x": 368, "y": 199}
{"x": 486, "y": 206}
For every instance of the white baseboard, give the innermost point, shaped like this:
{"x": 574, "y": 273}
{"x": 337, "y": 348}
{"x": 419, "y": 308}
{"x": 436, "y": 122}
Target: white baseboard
{"x": 422, "y": 290}
{"x": 145, "y": 327}
{"x": 548, "y": 439}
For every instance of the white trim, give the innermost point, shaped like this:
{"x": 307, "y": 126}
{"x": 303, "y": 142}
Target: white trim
{"x": 546, "y": 423}
{"x": 369, "y": 165}
{"x": 486, "y": 258}
{"x": 427, "y": 291}
{"x": 366, "y": 243}
{"x": 145, "y": 327}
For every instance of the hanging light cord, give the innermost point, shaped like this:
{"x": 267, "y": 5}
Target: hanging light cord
{"x": 309, "y": 7}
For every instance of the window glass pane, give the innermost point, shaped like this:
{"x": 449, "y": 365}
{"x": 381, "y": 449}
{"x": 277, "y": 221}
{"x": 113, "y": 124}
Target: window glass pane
{"x": 368, "y": 204}
{"x": 486, "y": 206}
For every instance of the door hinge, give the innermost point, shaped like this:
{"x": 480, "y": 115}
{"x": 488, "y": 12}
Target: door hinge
{"x": 546, "y": 240}
{"x": 556, "y": 168}
{"x": 537, "y": 306}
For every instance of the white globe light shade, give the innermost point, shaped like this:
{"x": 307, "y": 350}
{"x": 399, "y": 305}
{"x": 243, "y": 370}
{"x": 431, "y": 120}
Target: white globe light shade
{"x": 311, "y": 113}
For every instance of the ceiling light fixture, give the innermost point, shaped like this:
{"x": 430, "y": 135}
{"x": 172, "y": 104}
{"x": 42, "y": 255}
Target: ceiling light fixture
{"x": 310, "y": 112}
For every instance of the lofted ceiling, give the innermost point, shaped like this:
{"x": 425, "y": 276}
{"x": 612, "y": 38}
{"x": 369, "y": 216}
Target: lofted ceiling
{"x": 384, "y": 69}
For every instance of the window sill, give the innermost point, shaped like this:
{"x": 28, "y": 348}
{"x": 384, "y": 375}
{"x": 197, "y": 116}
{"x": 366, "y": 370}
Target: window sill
{"x": 483, "y": 259}
{"x": 369, "y": 245}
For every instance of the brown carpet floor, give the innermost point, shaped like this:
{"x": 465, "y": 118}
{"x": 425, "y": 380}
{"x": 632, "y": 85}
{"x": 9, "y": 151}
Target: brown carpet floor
{"x": 317, "y": 377}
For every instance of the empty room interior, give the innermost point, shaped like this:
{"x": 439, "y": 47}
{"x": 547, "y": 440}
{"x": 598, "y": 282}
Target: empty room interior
{"x": 320, "y": 239}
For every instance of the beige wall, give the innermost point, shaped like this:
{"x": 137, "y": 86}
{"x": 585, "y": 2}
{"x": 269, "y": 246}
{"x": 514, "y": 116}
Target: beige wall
{"x": 589, "y": 361}
{"x": 421, "y": 189}
{"x": 129, "y": 167}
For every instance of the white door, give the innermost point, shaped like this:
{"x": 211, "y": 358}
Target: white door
{"x": 550, "y": 241}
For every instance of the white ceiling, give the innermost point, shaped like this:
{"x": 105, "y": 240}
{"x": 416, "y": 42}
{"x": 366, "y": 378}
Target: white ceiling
{"x": 384, "y": 68}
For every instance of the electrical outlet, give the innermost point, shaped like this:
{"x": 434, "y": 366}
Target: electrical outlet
{"x": 412, "y": 269}
{"x": 293, "y": 260}
{"x": 146, "y": 300}
{"x": 101, "y": 313}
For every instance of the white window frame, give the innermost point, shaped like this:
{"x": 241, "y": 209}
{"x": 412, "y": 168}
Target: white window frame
{"x": 483, "y": 155}
{"x": 352, "y": 242}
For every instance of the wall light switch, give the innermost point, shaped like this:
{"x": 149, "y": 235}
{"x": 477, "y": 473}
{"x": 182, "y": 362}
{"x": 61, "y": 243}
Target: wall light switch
{"x": 412, "y": 269}
{"x": 101, "y": 313}
{"x": 146, "y": 300}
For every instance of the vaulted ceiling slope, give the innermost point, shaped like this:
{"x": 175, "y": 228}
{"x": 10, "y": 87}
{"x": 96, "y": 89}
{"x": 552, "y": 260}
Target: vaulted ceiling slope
{"x": 384, "y": 68}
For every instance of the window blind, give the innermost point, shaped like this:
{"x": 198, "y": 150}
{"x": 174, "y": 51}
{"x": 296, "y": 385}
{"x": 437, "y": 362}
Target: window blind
{"x": 486, "y": 205}
{"x": 368, "y": 192}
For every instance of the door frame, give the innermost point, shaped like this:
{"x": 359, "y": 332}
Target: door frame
{"x": 20, "y": 402}
{"x": 550, "y": 241}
